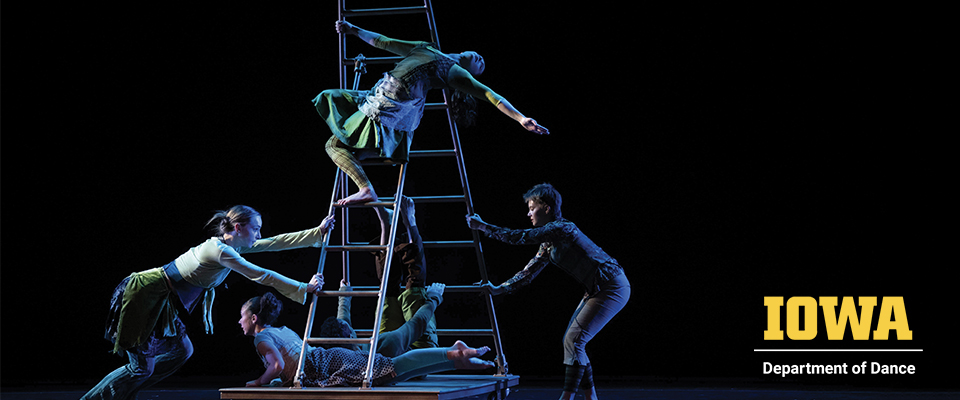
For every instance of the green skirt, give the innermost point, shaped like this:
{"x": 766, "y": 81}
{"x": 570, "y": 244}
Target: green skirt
{"x": 141, "y": 312}
{"x": 365, "y": 136}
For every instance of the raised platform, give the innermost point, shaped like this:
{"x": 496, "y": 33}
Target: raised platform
{"x": 434, "y": 387}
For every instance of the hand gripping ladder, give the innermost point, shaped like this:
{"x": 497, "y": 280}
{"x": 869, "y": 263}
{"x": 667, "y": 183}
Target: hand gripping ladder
{"x": 340, "y": 190}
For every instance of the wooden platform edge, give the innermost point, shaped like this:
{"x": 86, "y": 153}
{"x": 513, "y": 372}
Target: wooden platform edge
{"x": 433, "y": 387}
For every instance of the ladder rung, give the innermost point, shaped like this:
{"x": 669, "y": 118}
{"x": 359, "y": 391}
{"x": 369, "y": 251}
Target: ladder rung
{"x": 441, "y": 332}
{"x": 427, "y": 199}
{"x": 447, "y": 244}
{"x": 433, "y": 153}
{"x": 388, "y": 201}
{"x": 372, "y": 60}
{"x": 435, "y": 106}
{"x": 355, "y": 247}
{"x": 348, "y": 293}
{"x": 448, "y": 289}
{"x": 338, "y": 341}
{"x": 384, "y": 11}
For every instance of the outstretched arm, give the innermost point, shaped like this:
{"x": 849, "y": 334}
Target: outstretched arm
{"x": 528, "y": 123}
{"x": 460, "y": 79}
{"x": 351, "y": 29}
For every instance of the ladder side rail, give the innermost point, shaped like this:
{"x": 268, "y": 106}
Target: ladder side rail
{"x": 342, "y": 47}
{"x": 461, "y": 167}
{"x": 359, "y": 69}
{"x": 384, "y": 281}
{"x": 478, "y": 249}
{"x": 311, "y": 313}
{"x": 431, "y": 22}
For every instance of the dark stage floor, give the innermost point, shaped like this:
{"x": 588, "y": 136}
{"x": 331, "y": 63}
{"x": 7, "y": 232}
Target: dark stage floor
{"x": 542, "y": 390}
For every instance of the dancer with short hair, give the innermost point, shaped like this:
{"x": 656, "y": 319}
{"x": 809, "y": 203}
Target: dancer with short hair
{"x": 564, "y": 245}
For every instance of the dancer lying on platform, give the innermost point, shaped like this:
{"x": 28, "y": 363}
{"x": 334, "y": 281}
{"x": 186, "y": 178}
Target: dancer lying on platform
{"x": 562, "y": 243}
{"x": 279, "y": 348}
{"x": 379, "y": 123}
{"x": 143, "y": 319}
{"x": 393, "y": 341}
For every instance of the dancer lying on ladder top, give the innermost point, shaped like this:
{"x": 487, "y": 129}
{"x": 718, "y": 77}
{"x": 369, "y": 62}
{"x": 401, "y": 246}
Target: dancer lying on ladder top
{"x": 379, "y": 123}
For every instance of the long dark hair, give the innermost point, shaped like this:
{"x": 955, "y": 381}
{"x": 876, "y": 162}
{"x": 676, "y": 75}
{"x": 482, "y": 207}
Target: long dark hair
{"x": 464, "y": 108}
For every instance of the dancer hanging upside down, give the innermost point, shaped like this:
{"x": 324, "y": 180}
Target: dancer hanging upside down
{"x": 279, "y": 348}
{"x": 143, "y": 321}
{"x": 562, "y": 243}
{"x": 379, "y": 123}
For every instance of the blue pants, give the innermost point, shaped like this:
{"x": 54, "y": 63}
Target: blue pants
{"x": 142, "y": 372}
{"x": 591, "y": 316}
{"x": 421, "y": 362}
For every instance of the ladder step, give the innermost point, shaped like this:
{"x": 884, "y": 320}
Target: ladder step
{"x": 433, "y": 153}
{"x": 384, "y": 11}
{"x": 337, "y": 341}
{"x": 355, "y": 247}
{"x": 388, "y": 201}
{"x": 448, "y": 289}
{"x": 435, "y": 244}
{"x": 349, "y": 293}
{"x": 428, "y": 199}
{"x": 442, "y": 332}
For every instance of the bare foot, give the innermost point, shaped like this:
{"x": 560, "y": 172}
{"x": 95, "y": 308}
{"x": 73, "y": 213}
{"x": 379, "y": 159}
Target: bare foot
{"x": 364, "y": 195}
{"x": 406, "y": 206}
{"x": 436, "y": 288}
{"x": 465, "y": 357}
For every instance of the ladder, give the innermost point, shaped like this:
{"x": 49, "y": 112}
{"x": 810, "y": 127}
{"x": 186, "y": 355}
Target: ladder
{"x": 341, "y": 183}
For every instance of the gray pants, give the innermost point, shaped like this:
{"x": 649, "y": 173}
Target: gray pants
{"x": 591, "y": 316}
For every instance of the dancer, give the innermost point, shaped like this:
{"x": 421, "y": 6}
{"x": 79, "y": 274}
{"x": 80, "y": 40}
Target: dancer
{"x": 380, "y": 123}
{"x": 562, "y": 243}
{"x": 408, "y": 320}
{"x": 279, "y": 348}
{"x": 393, "y": 341}
{"x": 143, "y": 320}
{"x": 409, "y": 270}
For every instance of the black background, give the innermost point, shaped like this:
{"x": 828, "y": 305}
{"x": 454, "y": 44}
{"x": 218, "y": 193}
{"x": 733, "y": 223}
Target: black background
{"x": 721, "y": 155}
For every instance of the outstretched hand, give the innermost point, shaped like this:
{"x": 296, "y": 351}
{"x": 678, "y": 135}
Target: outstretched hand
{"x": 316, "y": 282}
{"x": 474, "y": 222}
{"x": 531, "y": 125}
{"x": 491, "y": 288}
{"x": 346, "y": 28}
{"x": 327, "y": 224}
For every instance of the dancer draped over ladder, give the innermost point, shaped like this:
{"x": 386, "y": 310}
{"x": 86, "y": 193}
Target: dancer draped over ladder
{"x": 143, "y": 322}
{"x": 563, "y": 244}
{"x": 379, "y": 123}
{"x": 279, "y": 348}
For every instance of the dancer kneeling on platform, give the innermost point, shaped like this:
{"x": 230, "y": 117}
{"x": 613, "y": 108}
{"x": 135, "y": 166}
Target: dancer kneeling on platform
{"x": 279, "y": 348}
